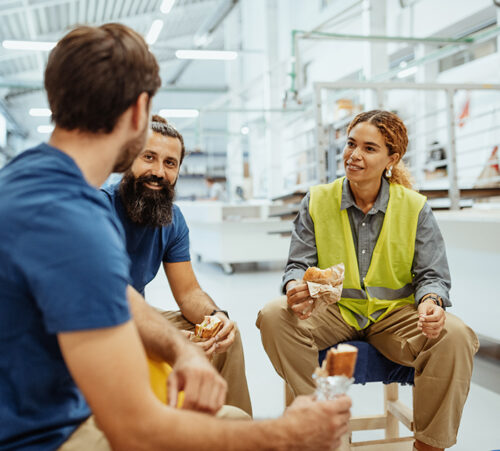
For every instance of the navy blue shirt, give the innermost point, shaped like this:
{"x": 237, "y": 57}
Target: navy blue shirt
{"x": 63, "y": 267}
{"x": 147, "y": 246}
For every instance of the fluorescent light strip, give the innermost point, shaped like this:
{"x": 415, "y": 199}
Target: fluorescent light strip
{"x": 40, "y": 112}
{"x": 407, "y": 72}
{"x": 206, "y": 54}
{"x": 166, "y": 6}
{"x": 179, "y": 113}
{"x": 28, "y": 45}
{"x": 154, "y": 31}
{"x": 45, "y": 128}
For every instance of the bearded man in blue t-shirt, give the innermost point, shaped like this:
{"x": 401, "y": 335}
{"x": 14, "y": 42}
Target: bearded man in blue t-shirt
{"x": 156, "y": 234}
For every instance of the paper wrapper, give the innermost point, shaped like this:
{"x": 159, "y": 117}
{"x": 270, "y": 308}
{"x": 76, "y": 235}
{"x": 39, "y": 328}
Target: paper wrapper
{"x": 329, "y": 387}
{"x": 326, "y": 294}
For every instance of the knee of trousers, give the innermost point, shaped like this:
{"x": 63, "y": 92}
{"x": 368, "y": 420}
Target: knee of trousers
{"x": 458, "y": 339}
{"x": 275, "y": 318}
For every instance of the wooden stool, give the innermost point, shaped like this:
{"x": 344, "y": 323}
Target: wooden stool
{"x": 372, "y": 366}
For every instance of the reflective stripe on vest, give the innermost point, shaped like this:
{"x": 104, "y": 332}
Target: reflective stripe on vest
{"x": 388, "y": 282}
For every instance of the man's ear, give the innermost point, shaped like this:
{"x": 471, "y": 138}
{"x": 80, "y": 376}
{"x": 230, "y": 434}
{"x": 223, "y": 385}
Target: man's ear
{"x": 140, "y": 111}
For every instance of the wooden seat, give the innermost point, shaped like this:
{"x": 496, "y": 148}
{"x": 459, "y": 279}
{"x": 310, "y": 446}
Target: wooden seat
{"x": 372, "y": 367}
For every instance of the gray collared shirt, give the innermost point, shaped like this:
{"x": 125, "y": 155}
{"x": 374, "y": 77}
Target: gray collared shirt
{"x": 430, "y": 265}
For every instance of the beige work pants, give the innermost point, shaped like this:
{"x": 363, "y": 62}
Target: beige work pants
{"x": 230, "y": 365}
{"x": 443, "y": 366}
{"x": 88, "y": 436}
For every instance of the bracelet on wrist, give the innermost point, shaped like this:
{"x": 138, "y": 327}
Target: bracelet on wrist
{"x": 221, "y": 311}
{"x": 434, "y": 298}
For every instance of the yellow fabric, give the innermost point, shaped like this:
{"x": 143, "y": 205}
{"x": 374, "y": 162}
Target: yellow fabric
{"x": 392, "y": 258}
{"x": 158, "y": 375}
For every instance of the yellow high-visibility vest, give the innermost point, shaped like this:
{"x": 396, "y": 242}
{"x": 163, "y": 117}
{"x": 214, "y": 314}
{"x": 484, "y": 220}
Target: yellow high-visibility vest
{"x": 388, "y": 282}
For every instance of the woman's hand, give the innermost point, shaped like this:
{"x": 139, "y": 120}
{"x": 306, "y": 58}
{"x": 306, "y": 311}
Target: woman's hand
{"x": 431, "y": 318}
{"x": 298, "y": 299}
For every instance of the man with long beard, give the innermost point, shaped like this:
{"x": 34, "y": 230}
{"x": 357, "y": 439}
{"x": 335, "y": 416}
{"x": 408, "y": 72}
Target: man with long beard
{"x": 156, "y": 233}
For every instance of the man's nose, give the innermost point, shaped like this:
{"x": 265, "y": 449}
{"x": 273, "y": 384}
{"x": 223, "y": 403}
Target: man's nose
{"x": 159, "y": 171}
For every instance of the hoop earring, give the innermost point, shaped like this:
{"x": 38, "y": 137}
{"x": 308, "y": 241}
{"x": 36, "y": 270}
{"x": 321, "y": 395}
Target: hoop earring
{"x": 388, "y": 172}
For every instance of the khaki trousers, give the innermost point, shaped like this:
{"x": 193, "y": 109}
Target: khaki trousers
{"x": 443, "y": 366}
{"x": 230, "y": 365}
{"x": 88, "y": 436}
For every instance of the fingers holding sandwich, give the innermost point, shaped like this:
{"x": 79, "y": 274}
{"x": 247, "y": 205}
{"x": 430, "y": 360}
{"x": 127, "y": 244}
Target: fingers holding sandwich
{"x": 225, "y": 337}
{"x": 298, "y": 299}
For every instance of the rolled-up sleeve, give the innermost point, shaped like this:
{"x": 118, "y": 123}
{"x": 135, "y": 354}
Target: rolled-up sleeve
{"x": 303, "y": 252}
{"x": 430, "y": 265}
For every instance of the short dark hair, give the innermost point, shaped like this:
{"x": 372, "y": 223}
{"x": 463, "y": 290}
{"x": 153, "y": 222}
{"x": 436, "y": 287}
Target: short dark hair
{"x": 160, "y": 125}
{"x": 95, "y": 73}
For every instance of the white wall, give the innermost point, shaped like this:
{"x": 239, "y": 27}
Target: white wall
{"x": 473, "y": 249}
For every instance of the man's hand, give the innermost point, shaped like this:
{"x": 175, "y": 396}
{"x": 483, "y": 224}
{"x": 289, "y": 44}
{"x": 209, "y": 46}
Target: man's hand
{"x": 431, "y": 318}
{"x": 318, "y": 424}
{"x": 298, "y": 299}
{"x": 208, "y": 347}
{"x": 225, "y": 338}
{"x": 204, "y": 389}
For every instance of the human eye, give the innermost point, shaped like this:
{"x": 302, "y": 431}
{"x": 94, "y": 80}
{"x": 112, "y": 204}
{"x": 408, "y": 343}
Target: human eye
{"x": 370, "y": 149}
{"x": 350, "y": 144}
{"x": 148, "y": 157}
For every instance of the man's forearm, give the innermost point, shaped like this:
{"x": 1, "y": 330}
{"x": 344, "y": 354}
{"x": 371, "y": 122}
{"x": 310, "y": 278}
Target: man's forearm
{"x": 195, "y": 305}
{"x": 161, "y": 340}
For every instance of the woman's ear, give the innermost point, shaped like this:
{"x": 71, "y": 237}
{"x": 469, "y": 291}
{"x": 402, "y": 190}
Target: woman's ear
{"x": 395, "y": 157}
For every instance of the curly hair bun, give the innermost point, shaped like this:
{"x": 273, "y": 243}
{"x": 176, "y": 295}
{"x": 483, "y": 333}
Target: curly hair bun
{"x": 158, "y": 118}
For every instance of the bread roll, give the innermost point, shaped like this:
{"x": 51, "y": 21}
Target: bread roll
{"x": 208, "y": 328}
{"x": 341, "y": 361}
{"x": 317, "y": 275}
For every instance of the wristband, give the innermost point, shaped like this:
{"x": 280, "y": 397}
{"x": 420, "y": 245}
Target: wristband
{"x": 434, "y": 298}
{"x": 221, "y": 311}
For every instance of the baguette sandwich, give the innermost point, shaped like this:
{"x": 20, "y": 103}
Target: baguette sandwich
{"x": 342, "y": 360}
{"x": 207, "y": 329}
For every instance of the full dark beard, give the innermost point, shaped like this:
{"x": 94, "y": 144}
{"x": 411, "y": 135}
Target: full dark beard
{"x": 145, "y": 206}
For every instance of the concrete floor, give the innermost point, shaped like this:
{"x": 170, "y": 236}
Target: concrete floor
{"x": 250, "y": 287}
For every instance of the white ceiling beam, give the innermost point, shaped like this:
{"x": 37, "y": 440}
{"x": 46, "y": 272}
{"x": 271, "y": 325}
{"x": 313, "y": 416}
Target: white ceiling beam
{"x": 22, "y": 9}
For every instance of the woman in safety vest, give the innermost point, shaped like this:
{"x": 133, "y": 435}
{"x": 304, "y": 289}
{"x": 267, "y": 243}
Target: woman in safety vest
{"x": 396, "y": 285}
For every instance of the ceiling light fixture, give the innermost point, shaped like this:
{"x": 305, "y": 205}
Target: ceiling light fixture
{"x": 45, "y": 129}
{"x": 28, "y": 45}
{"x": 154, "y": 31}
{"x": 407, "y": 72}
{"x": 224, "y": 55}
{"x": 40, "y": 112}
{"x": 245, "y": 130}
{"x": 166, "y": 6}
{"x": 188, "y": 113}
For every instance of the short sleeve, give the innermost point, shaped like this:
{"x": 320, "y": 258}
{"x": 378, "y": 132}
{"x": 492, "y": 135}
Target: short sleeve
{"x": 177, "y": 249}
{"x": 76, "y": 267}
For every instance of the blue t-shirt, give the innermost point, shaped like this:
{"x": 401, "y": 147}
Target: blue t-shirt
{"x": 147, "y": 246}
{"x": 63, "y": 267}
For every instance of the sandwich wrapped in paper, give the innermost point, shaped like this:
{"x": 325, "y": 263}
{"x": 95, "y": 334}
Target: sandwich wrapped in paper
{"x": 336, "y": 373}
{"x": 207, "y": 329}
{"x": 325, "y": 285}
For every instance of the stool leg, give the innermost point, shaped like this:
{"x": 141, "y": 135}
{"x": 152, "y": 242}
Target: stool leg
{"x": 391, "y": 394}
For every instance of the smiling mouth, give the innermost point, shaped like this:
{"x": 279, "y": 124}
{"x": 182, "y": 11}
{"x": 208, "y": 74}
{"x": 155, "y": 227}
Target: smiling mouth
{"x": 153, "y": 185}
{"x": 352, "y": 167}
